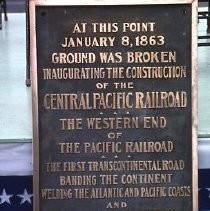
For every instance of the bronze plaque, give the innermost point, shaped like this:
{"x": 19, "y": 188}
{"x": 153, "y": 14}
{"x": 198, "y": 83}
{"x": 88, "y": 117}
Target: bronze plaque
{"x": 114, "y": 107}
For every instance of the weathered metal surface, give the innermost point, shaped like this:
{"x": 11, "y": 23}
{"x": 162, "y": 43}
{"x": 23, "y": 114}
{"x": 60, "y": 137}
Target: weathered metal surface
{"x": 115, "y": 105}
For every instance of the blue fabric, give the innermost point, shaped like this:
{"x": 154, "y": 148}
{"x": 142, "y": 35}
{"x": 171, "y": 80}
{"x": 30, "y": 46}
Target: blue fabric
{"x": 16, "y": 193}
{"x": 204, "y": 189}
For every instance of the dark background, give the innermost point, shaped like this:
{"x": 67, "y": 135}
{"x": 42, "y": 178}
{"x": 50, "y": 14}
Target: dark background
{"x": 172, "y": 21}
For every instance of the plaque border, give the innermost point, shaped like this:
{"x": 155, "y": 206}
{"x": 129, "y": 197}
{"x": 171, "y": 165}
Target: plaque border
{"x": 33, "y": 68}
